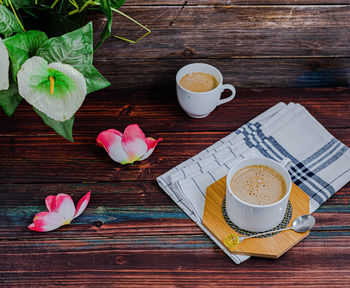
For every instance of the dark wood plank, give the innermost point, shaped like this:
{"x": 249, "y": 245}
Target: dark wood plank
{"x": 231, "y": 2}
{"x": 193, "y": 42}
{"x": 32, "y": 159}
{"x": 132, "y": 234}
{"x": 255, "y": 46}
{"x": 158, "y": 111}
{"x": 120, "y": 194}
{"x": 128, "y": 209}
{"x": 171, "y": 261}
{"x": 243, "y": 73}
{"x": 230, "y": 32}
{"x": 247, "y": 16}
{"x": 112, "y": 244}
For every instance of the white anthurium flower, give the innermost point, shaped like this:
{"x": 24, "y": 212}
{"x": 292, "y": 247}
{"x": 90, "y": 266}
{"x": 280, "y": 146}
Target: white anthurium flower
{"x": 4, "y": 66}
{"x": 56, "y": 89}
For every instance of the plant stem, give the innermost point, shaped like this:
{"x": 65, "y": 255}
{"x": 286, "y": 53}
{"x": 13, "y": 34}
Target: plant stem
{"x": 14, "y": 12}
{"x": 133, "y": 20}
{"x": 60, "y": 9}
{"x": 73, "y": 12}
{"x": 76, "y": 10}
{"x": 87, "y": 3}
{"x": 53, "y": 4}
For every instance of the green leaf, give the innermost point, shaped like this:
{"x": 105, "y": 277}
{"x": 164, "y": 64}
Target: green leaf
{"x": 8, "y": 22}
{"x": 94, "y": 80}
{"x": 9, "y": 99}
{"x": 65, "y": 129}
{"x": 107, "y": 31}
{"x": 75, "y": 48}
{"x": 116, "y": 4}
{"x": 22, "y": 46}
{"x": 18, "y": 4}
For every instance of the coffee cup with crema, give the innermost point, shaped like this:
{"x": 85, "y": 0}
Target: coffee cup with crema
{"x": 199, "y": 87}
{"x": 257, "y": 193}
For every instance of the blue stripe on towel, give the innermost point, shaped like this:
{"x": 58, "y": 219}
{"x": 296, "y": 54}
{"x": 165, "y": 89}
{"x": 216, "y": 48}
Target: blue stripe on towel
{"x": 331, "y": 160}
{"x": 325, "y": 155}
{"x": 302, "y": 176}
{"x": 320, "y": 151}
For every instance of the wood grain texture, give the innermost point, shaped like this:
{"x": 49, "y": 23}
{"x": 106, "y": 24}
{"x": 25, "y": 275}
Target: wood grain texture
{"x": 110, "y": 262}
{"x": 125, "y": 207}
{"x": 230, "y": 32}
{"x": 254, "y": 46}
{"x": 29, "y": 159}
{"x": 243, "y": 73}
{"x": 132, "y": 235}
{"x": 119, "y": 108}
{"x": 231, "y": 2}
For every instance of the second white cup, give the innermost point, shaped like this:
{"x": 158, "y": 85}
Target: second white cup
{"x": 201, "y": 104}
{"x": 257, "y": 218}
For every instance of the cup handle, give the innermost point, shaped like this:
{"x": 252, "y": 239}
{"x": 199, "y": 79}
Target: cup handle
{"x": 286, "y": 163}
{"x": 233, "y": 90}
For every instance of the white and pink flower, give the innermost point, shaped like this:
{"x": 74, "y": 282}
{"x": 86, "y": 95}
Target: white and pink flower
{"x": 127, "y": 147}
{"x": 61, "y": 212}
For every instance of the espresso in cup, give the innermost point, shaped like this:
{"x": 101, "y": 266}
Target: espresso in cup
{"x": 258, "y": 185}
{"x": 199, "y": 82}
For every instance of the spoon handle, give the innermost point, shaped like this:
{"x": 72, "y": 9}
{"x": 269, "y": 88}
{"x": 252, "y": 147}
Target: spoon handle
{"x": 270, "y": 232}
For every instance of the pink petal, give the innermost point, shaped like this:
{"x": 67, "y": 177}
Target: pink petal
{"x": 111, "y": 140}
{"x": 106, "y": 138}
{"x": 50, "y": 202}
{"x": 65, "y": 206}
{"x": 46, "y": 221}
{"x": 151, "y": 144}
{"x": 133, "y": 142}
{"x": 83, "y": 202}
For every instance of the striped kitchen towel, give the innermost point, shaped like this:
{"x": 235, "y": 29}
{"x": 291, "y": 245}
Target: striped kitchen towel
{"x": 320, "y": 163}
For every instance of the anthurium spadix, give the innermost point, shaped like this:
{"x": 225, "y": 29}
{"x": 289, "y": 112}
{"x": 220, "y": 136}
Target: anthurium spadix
{"x": 127, "y": 147}
{"x": 4, "y": 66}
{"x": 56, "y": 89}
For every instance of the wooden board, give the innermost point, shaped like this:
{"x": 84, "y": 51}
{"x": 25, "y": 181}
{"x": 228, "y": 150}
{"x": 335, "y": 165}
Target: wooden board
{"x": 269, "y": 247}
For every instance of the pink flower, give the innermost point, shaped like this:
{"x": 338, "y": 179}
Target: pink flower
{"x": 128, "y": 147}
{"x": 61, "y": 212}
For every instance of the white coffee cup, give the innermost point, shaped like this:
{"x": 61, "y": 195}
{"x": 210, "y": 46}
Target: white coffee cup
{"x": 200, "y": 104}
{"x": 257, "y": 218}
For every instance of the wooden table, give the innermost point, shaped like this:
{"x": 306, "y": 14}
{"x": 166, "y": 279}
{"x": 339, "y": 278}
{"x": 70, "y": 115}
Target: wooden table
{"x": 132, "y": 234}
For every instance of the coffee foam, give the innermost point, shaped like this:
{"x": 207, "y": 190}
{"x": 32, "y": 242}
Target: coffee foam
{"x": 258, "y": 185}
{"x": 199, "y": 82}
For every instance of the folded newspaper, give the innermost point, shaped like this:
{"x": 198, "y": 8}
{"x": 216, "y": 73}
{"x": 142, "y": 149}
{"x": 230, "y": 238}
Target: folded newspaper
{"x": 320, "y": 162}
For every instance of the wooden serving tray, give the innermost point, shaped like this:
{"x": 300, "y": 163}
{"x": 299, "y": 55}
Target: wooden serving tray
{"x": 270, "y": 247}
